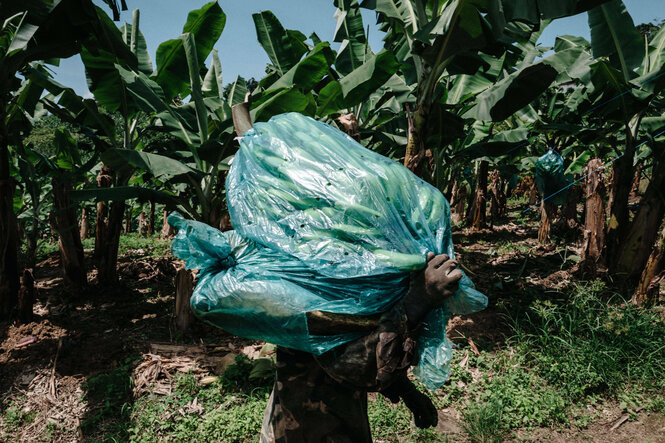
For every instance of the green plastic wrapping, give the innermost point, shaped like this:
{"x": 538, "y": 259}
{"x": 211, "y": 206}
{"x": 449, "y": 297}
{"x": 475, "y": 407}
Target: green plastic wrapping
{"x": 550, "y": 178}
{"x": 321, "y": 223}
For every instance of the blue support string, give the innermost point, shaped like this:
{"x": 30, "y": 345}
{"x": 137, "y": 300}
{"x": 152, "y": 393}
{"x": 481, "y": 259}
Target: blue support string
{"x": 527, "y": 141}
{"x": 623, "y": 93}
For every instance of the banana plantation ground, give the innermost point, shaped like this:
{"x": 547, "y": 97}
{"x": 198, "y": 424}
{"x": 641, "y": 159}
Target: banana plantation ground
{"x": 554, "y": 357}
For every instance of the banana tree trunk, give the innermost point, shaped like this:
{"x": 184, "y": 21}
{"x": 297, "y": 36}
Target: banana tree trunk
{"x": 26, "y": 297}
{"x": 143, "y": 224}
{"x": 32, "y": 242}
{"x": 634, "y": 251}
{"x": 533, "y": 194}
{"x": 415, "y": 145}
{"x": 478, "y": 213}
{"x": 85, "y": 224}
{"x": 184, "y": 288}
{"x": 151, "y": 220}
{"x": 618, "y": 225}
{"x": 497, "y": 196}
{"x": 635, "y": 189}
{"x": 594, "y": 222}
{"x": 547, "y": 212}
{"x": 503, "y": 198}
{"x": 570, "y": 210}
{"x": 457, "y": 201}
{"x": 128, "y": 220}
{"x": 648, "y": 288}
{"x": 107, "y": 231}
{"x": 168, "y": 231}
{"x": 109, "y": 236}
{"x": 9, "y": 281}
{"x": 69, "y": 239}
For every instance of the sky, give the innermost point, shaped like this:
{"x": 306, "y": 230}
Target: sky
{"x": 240, "y": 52}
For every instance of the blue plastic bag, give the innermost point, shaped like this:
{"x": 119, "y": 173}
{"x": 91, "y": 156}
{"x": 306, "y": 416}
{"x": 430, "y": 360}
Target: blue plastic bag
{"x": 340, "y": 229}
{"x": 259, "y": 293}
{"x": 550, "y": 178}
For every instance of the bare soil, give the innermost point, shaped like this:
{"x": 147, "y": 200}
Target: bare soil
{"x": 74, "y": 339}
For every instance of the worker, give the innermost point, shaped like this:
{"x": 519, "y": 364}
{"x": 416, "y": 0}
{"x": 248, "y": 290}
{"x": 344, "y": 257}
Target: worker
{"x": 324, "y": 398}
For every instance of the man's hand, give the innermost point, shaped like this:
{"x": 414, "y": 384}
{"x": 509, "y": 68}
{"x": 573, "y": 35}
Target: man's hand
{"x": 441, "y": 279}
{"x": 424, "y": 412}
{"x": 431, "y": 286}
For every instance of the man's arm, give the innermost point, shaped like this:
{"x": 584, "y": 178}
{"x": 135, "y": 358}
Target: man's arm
{"x": 379, "y": 361}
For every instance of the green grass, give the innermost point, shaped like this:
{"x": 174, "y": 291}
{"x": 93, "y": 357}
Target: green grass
{"x": 569, "y": 355}
{"x": 518, "y": 200}
{"x": 393, "y": 422}
{"x": 14, "y": 417}
{"x": 592, "y": 343}
{"x": 230, "y": 409}
{"x": 152, "y": 246}
{"x": 129, "y": 243}
{"x": 505, "y": 395}
{"x": 482, "y": 422}
{"x": 108, "y": 395}
{"x": 223, "y": 417}
{"x": 504, "y": 247}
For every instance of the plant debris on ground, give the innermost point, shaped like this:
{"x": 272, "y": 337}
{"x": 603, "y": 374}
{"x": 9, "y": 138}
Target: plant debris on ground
{"x": 551, "y": 358}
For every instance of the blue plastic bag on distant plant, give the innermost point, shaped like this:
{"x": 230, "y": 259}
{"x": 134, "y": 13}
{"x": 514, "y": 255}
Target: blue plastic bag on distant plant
{"x": 550, "y": 178}
{"x": 322, "y": 223}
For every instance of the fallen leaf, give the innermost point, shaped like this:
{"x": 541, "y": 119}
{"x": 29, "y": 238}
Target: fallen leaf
{"x": 465, "y": 359}
{"x": 473, "y": 347}
{"x": 251, "y": 352}
{"x": 25, "y": 341}
{"x": 208, "y": 380}
{"x": 262, "y": 368}
{"x": 226, "y": 361}
{"x": 267, "y": 349}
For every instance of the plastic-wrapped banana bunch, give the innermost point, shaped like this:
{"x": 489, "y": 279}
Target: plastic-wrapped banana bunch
{"x": 349, "y": 226}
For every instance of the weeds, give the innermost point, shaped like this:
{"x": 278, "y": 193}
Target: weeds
{"x": 388, "y": 419}
{"x": 568, "y": 352}
{"x": 230, "y": 409}
{"x": 221, "y": 417}
{"x": 149, "y": 246}
{"x": 505, "y": 247}
{"x": 592, "y": 344}
{"x": 108, "y": 395}
{"x": 483, "y": 421}
{"x": 393, "y": 422}
{"x": 14, "y": 416}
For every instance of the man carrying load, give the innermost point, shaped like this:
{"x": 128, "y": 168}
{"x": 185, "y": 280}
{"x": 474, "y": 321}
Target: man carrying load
{"x": 342, "y": 258}
{"x": 324, "y": 398}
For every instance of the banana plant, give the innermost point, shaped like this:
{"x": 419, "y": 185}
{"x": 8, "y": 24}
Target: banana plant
{"x": 67, "y": 169}
{"x": 315, "y": 80}
{"x": 100, "y": 54}
{"x": 190, "y": 160}
{"x": 29, "y": 32}
{"x": 204, "y": 126}
{"x": 437, "y": 40}
{"x": 627, "y": 83}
